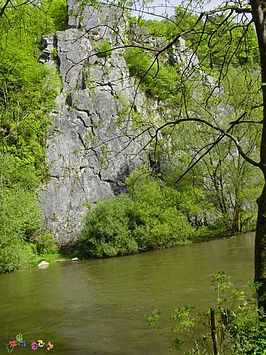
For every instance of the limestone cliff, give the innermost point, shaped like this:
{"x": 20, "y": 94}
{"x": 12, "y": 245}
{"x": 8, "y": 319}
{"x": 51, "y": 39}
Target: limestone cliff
{"x": 89, "y": 150}
{"x": 94, "y": 141}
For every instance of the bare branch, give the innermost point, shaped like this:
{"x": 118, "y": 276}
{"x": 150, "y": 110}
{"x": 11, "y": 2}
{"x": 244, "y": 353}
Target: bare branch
{"x": 247, "y": 121}
{"x": 221, "y": 136}
{"x": 140, "y": 11}
{"x": 238, "y": 10}
{"x": 4, "y": 7}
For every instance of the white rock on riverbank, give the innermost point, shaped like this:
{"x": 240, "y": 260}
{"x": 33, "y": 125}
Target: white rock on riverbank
{"x": 43, "y": 265}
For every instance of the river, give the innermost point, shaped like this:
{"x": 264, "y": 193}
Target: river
{"x": 99, "y": 306}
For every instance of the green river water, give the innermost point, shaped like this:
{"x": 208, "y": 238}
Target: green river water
{"x": 99, "y": 306}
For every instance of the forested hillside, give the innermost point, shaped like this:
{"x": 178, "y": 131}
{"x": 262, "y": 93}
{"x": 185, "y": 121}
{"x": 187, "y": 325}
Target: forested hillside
{"x": 167, "y": 201}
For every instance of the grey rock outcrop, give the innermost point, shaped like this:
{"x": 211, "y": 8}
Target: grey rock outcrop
{"x": 89, "y": 150}
{"x": 95, "y": 139}
{"x": 183, "y": 55}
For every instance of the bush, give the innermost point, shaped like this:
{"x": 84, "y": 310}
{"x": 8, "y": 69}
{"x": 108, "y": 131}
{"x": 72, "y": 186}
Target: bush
{"x": 46, "y": 244}
{"x": 20, "y": 223}
{"x": 16, "y": 255}
{"x": 104, "y": 50}
{"x": 160, "y": 83}
{"x": 160, "y": 222}
{"x": 147, "y": 218}
{"x": 106, "y": 231}
{"x": 20, "y": 218}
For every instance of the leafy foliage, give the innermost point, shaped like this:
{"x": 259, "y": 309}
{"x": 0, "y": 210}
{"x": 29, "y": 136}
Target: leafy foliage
{"x": 158, "y": 82}
{"x": 162, "y": 220}
{"x": 227, "y": 51}
{"x": 148, "y": 218}
{"x": 154, "y": 214}
{"x": 231, "y": 326}
{"x": 27, "y": 95}
{"x": 19, "y": 219}
{"x": 45, "y": 243}
{"x": 215, "y": 41}
{"x": 106, "y": 232}
{"x": 104, "y": 50}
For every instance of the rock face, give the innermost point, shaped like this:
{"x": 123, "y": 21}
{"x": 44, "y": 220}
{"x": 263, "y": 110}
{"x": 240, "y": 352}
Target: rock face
{"x": 95, "y": 139}
{"x": 89, "y": 150}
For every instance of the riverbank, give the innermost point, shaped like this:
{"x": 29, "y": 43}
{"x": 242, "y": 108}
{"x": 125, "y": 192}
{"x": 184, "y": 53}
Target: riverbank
{"x": 72, "y": 251}
{"x": 219, "y": 235}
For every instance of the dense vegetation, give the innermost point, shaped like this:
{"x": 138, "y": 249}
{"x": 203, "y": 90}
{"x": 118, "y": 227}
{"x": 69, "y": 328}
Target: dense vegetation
{"x": 154, "y": 214}
{"x": 27, "y": 95}
{"x": 148, "y": 217}
{"x": 209, "y": 39}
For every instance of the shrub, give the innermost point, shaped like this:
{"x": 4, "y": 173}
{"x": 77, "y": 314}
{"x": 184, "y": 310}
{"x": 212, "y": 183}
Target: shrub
{"x": 104, "y": 50}
{"x": 158, "y": 82}
{"x": 15, "y": 255}
{"x": 20, "y": 218}
{"x": 106, "y": 231}
{"x": 46, "y": 244}
{"x": 160, "y": 222}
{"x": 147, "y": 218}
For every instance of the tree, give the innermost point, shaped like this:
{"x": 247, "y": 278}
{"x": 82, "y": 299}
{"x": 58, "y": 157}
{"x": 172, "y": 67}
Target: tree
{"x": 257, "y": 11}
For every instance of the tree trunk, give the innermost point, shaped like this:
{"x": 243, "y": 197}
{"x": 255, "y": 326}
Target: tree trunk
{"x": 215, "y": 343}
{"x": 236, "y": 220}
{"x": 260, "y": 241}
{"x": 260, "y": 250}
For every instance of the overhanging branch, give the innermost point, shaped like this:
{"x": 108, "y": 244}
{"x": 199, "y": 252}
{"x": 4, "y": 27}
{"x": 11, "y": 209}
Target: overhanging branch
{"x": 4, "y": 7}
{"x": 238, "y": 10}
{"x": 221, "y": 136}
